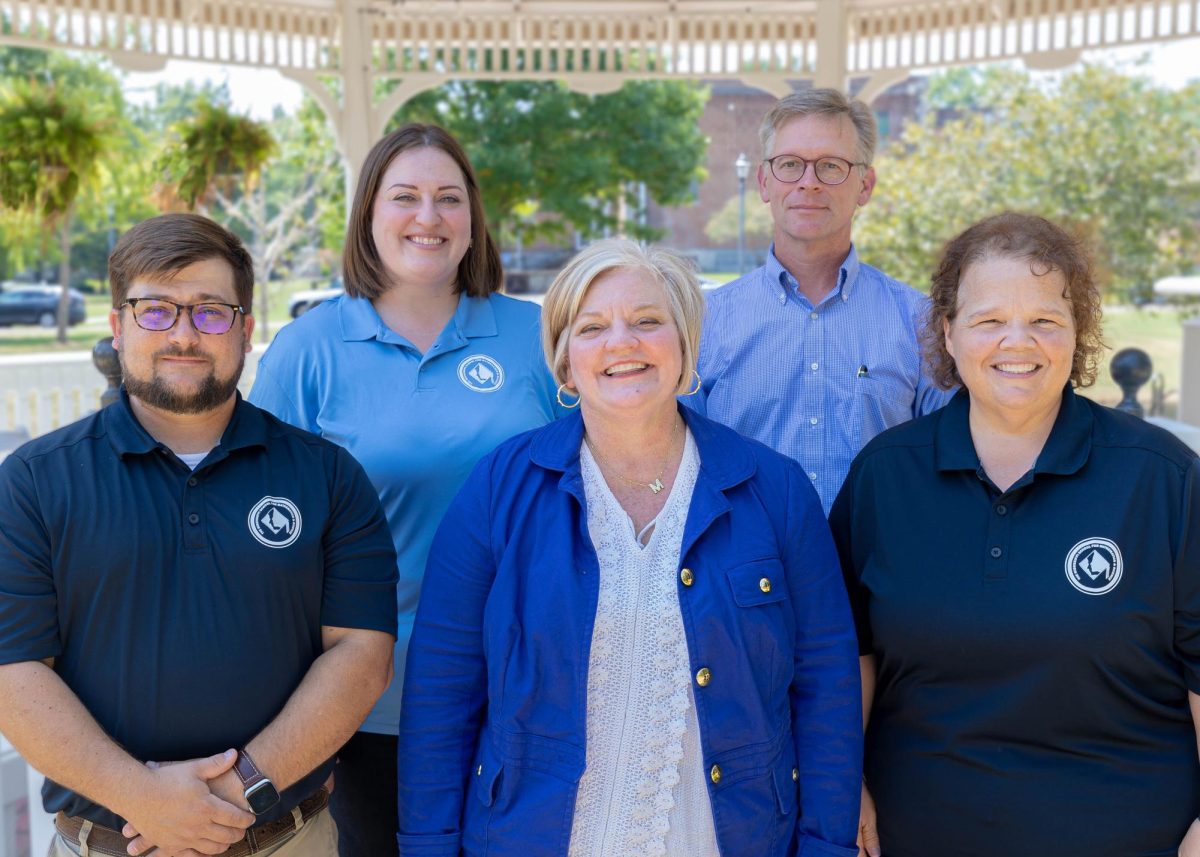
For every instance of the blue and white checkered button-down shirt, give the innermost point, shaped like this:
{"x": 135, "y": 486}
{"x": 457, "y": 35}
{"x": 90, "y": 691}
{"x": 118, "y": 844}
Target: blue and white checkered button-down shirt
{"x": 815, "y": 383}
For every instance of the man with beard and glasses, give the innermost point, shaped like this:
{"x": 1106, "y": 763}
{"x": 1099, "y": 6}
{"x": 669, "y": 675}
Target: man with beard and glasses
{"x": 196, "y": 599}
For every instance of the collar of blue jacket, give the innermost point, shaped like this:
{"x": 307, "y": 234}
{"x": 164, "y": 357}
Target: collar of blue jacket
{"x": 556, "y": 447}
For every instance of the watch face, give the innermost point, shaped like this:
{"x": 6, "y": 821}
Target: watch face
{"x": 262, "y": 796}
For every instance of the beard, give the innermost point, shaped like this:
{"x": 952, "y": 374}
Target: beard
{"x": 155, "y": 392}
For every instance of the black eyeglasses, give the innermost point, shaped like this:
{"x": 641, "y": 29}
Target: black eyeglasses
{"x": 791, "y": 168}
{"x": 159, "y": 315}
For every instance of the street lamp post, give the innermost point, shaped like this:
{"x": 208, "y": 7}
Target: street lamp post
{"x": 742, "y": 168}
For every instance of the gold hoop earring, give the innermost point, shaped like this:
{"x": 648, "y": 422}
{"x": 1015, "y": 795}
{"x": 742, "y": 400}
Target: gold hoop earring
{"x": 696, "y": 387}
{"x": 558, "y": 395}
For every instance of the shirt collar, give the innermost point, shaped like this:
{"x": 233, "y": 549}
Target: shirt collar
{"x": 780, "y": 277}
{"x": 1066, "y": 450}
{"x": 726, "y": 464}
{"x": 247, "y": 427}
{"x": 473, "y": 317}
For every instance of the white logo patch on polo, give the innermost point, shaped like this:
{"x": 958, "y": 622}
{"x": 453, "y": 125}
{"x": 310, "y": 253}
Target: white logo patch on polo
{"x": 481, "y": 373}
{"x": 1094, "y": 566}
{"x": 274, "y": 522}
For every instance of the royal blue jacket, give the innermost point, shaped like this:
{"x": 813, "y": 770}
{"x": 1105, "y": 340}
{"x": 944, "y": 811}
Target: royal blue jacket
{"x": 492, "y": 734}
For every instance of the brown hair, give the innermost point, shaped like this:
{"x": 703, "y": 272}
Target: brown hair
{"x": 1047, "y": 247}
{"x": 163, "y": 246}
{"x": 479, "y": 271}
{"x": 830, "y": 103}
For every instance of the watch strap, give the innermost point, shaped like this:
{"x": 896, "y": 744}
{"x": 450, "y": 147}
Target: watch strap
{"x": 246, "y": 770}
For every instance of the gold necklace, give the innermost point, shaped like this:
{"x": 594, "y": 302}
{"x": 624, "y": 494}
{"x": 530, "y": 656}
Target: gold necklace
{"x": 656, "y": 484}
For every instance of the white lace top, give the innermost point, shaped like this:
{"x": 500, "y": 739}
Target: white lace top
{"x": 644, "y": 790}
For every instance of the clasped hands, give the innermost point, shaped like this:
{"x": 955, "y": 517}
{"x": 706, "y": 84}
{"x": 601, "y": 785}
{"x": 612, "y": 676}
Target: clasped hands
{"x": 190, "y": 808}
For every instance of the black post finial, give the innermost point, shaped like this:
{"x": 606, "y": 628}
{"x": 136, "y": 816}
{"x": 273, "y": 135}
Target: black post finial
{"x": 1131, "y": 368}
{"x": 105, "y": 358}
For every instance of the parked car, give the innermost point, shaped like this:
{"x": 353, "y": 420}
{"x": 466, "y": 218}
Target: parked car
{"x": 302, "y": 302}
{"x": 1178, "y": 287}
{"x": 39, "y": 305}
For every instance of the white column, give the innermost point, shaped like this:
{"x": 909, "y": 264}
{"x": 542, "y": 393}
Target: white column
{"x": 833, "y": 42}
{"x": 1189, "y": 375}
{"x": 356, "y": 131}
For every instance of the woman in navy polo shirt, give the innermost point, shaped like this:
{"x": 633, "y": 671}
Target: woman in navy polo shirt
{"x": 1025, "y": 571}
{"x": 419, "y": 370}
{"x": 633, "y": 636}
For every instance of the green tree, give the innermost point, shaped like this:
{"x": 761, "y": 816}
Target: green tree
{"x": 116, "y": 198}
{"x": 54, "y": 143}
{"x": 551, "y": 160}
{"x": 723, "y": 225}
{"x": 175, "y": 103}
{"x": 284, "y": 213}
{"x": 1111, "y": 156}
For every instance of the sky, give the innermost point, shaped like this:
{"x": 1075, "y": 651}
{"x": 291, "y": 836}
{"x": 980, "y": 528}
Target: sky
{"x": 258, "y": 92}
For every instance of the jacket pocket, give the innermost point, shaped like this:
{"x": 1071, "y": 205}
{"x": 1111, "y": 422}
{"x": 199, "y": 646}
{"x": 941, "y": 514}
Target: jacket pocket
{"x": 487, "y": 779}
{"x": 757, "y": 583}
{"x": 482, "y": 794}
{"x": 787, "y": 786}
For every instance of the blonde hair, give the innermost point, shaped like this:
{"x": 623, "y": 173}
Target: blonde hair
{"x": 667, "y": 268}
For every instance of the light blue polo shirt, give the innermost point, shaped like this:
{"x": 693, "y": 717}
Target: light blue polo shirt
{"x": 417, "y": 423}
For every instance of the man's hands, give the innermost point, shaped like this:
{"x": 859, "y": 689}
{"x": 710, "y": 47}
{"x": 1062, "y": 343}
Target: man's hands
{"x": 188, "y": 809}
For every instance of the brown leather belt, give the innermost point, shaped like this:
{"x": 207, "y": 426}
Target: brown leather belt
{"x": 109, "y": 842}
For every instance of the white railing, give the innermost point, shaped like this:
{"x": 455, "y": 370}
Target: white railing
{"x": 42, "y": 392}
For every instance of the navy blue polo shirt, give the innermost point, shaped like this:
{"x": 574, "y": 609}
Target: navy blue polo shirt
{"x": 1035, "y": 646}
{"x": 183, "y": 608}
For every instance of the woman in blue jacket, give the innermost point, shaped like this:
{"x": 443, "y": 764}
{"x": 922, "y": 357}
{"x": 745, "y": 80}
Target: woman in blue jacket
{"x": 633, "y": 637}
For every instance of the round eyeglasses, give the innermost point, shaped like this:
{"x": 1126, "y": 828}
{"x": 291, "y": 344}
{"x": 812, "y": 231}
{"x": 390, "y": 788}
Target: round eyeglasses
{"x": 159, "y": 315}
{"x": 830, "y": 170}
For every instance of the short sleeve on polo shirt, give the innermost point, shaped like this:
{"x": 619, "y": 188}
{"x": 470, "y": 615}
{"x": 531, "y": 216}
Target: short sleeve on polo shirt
{"x": 841, "y": 525}
{"x": 360, "y": 561}
{"x": 28, "y": 602}
{"x": 1187, "y": 580}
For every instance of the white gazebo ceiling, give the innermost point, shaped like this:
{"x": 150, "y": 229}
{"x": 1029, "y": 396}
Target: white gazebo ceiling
{"x": 593, "y": 45}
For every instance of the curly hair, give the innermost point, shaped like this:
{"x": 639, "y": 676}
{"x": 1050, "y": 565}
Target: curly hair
{"x": 1047, "y": 247}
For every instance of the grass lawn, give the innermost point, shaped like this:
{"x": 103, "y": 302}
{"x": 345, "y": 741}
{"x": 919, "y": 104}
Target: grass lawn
{"x": 1157, "y": 331}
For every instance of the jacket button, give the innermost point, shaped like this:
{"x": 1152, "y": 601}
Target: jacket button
{"x": 703, "y": 676}
{"x": 193, "y": 518}
{"x": 765, "y": 584}
{"x": 479, "y": 771}
{"x": 687, "y": 577}
{"x": 715, "y": 774}
{"x": 795, "y": 775}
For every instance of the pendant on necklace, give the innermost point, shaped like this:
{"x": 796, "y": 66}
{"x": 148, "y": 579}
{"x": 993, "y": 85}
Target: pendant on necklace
{"x": 656, "y": 485}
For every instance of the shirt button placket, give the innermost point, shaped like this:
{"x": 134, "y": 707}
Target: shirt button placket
{"x": 998, "y": 546}
{"x": 193, "y": 530}
{"x": 813, "y": 406}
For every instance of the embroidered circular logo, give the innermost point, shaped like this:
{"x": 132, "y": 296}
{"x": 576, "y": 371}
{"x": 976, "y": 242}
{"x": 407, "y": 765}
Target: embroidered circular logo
{"x": 1094, "y": 566}
{"x": 481, "y": 373}
{"x": 274, "y": 522}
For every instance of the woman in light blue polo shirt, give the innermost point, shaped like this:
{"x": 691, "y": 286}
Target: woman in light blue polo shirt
{"x": 420, "y": 369}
